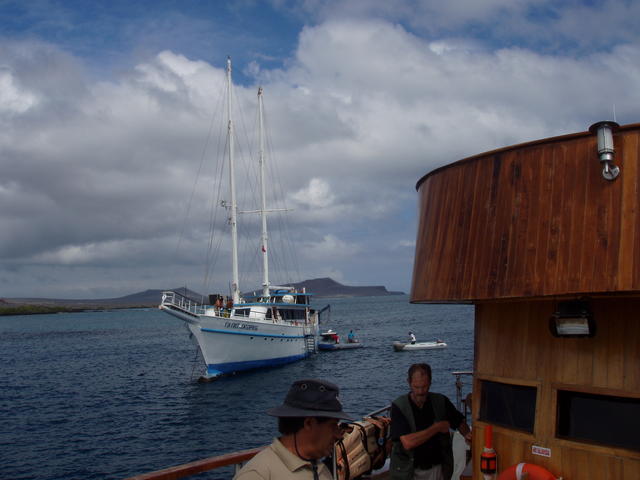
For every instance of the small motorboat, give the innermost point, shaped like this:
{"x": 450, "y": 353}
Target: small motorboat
{"x": 402, "y": 346}
{"x": 330, "y": 340}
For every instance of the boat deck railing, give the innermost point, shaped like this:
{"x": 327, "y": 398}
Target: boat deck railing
{"x": 182, "y": 302}
{"x": 463, "y": 402}
{"x": 235, "y": 459}
{"x": 186, "y": 304}
{"x": 178, "y": 301}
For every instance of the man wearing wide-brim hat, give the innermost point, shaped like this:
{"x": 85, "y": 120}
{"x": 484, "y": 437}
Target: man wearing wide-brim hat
{"x": 308, "y": 421}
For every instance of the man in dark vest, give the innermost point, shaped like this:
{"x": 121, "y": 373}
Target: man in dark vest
{"x": 420, "y": 424}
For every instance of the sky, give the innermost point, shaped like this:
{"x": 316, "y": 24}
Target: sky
{"x": 107, "y": 111}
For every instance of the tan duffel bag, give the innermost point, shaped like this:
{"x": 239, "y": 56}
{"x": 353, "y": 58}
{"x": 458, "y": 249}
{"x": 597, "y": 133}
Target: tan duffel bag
{"x": 363, "y": 447}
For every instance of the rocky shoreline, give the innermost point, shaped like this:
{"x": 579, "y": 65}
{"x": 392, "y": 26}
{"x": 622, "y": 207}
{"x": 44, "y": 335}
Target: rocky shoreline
{"x": 319, "y": 287}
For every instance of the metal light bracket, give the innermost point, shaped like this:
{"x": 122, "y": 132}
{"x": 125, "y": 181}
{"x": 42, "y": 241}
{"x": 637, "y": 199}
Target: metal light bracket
{"x": 606, "y": 149}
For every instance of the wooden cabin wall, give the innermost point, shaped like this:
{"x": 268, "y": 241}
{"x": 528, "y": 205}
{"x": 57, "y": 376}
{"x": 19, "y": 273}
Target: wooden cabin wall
{"x": 530, "y": 221}
{"x": 513, "y": 345}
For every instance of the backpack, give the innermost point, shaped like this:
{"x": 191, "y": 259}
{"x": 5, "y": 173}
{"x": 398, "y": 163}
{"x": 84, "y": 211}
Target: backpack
{"x": 363, "y": 448}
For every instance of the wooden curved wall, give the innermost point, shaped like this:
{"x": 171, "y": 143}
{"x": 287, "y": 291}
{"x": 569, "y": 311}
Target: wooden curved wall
{"x": 532, "y": 220}
{"x": 513, "y": 345}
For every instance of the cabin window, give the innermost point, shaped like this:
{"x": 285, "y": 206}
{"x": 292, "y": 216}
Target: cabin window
{"x": 292, "y": 314}
{"x": 512, "y": 406}
{"x": 602, "y": 419}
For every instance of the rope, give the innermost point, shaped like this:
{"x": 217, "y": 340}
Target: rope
{"x": 194, "y": 363}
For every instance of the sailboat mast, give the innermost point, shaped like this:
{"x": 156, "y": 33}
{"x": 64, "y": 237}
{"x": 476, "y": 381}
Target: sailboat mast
{"x": 235, "y": 290}
{"x": 263, "y": 206}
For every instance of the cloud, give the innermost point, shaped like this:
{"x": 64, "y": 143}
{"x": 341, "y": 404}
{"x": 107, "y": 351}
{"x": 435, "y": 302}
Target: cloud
{"x": 316, "y": 195}
{"x": 100, "y": 174}
{"x": 14, "y": 99}
{"x": 330, "y": 247}
{"x": 405, "y": 244}
{"x": 105, "y": 254}
{"x": 82, "y": 254}
{"x": 555, "y": 27}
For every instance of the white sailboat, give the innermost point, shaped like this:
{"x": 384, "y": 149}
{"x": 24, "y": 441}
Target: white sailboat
{"x": 273, "y": 328}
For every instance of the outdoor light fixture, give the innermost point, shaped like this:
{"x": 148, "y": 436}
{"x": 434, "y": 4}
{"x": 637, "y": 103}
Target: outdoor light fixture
{"x": 572, "y": 319}
{"x": 606, "y": 150}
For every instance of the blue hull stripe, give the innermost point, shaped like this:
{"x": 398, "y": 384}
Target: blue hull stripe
{"x": 253, "y": 334}
{"x": 220, "y": 368}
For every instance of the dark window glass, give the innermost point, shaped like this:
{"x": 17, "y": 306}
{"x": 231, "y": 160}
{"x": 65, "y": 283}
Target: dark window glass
{"x": 600, "y": 419}
{"x": 292, "y": 314}
{"x": 512, "y": 406}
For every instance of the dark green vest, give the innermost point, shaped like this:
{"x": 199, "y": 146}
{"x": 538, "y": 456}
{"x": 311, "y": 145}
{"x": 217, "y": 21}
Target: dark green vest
{"x": 402, "y": 460}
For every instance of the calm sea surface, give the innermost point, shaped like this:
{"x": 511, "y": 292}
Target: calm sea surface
{"x": 114, "y": 394}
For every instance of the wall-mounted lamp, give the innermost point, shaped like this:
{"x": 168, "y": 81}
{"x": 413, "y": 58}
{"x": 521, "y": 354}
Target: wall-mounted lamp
{"x": 572, "y": 319}
{"x": 606, "y": 150}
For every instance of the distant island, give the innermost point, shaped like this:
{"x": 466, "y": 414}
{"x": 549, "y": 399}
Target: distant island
{"x": 319, "y": 287}
{"x": 327, "y": 287}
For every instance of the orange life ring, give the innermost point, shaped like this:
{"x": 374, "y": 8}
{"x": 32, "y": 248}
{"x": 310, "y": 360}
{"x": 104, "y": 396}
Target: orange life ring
{"x": 535, "y": 472}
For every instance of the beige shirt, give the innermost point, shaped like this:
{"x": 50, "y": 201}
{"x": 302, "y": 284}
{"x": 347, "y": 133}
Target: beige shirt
{"x": 277, "y": 463}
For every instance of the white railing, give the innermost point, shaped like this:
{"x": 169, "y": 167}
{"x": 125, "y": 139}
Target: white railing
{"x": 181, "y": 302}
{"x": 174, "y": 299}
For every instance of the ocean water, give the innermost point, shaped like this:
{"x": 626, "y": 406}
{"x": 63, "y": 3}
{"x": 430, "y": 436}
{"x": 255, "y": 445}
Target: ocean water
{"x": 108, "y": 395}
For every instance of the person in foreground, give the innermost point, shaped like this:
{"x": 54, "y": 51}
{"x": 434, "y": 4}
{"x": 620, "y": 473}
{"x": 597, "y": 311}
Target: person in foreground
{"x": 308, "y": 421}
{"x": 420, "y": 424}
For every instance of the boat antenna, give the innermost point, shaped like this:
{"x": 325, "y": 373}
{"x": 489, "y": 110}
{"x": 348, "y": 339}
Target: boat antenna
{"x": 235, "y": 289}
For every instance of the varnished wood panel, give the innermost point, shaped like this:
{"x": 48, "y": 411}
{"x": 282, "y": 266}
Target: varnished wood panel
{"x": 513, "y": 344}
{"x": 513, "y": 340}
{"x": 530, "y": 221}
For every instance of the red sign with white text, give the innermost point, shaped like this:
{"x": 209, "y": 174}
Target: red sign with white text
{"x": 542, "y": 451}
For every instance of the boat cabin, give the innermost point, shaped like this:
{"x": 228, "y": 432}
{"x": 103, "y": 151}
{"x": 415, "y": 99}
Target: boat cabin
{"x": 544, "y": 239}
{"x": 284, "y": 303}
{"x": 330, "y": 337}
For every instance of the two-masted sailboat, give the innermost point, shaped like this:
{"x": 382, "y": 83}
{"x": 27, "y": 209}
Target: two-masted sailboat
{"x": 275, "y": 327}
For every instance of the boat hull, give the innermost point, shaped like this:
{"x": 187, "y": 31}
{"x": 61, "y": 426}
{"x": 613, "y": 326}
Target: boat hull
{"x": 403, "y": 347}
{"x": 233, "y": 344}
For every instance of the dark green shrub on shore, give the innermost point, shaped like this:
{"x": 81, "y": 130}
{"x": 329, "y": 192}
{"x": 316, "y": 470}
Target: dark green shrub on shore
{"x": 31, "y": 309}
